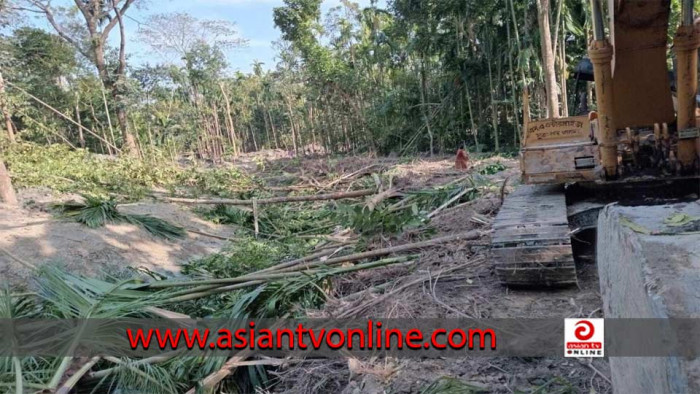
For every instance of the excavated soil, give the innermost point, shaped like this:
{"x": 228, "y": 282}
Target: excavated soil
{"x": 32, "y": 234}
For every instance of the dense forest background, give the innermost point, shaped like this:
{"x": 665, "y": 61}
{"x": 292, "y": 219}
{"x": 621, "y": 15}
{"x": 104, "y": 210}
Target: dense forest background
{"x": 416, "y": 76}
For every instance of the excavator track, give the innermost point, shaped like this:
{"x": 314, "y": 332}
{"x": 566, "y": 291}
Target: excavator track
{"x": 531, "y": 244}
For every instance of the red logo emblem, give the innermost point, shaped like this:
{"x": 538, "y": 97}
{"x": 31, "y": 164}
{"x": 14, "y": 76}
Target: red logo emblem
{"x": 584, "y": 337}
{"x": 584, "y": 330}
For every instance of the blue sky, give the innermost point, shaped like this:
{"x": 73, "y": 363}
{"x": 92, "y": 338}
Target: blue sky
{"x": 252, "y": 17}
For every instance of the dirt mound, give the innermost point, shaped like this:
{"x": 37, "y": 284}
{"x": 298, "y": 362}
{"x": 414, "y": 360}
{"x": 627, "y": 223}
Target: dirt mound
{"x": 33, "y": 235}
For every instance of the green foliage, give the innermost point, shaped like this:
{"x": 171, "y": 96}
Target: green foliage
{"x": 242, "y": 256}
{"x": 156, "y": 226}
{"x": 65, "y": 170}
{"x": 288, "y": 220}
{"x": 227, "y": 214}
{"x": 42, "y": 56}
{"x": 380, "y": 220}
{"x": 493, "y": 169}
{"x": 411, "y": 213}
{"x": 62, "y": 169}
{"x": 96, "y": 212}
{"x": 93, "y": 212}
{"x": 224, "y": 182}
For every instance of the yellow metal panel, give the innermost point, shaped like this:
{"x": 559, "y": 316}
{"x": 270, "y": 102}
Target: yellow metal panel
{"x": 558, "y": 131}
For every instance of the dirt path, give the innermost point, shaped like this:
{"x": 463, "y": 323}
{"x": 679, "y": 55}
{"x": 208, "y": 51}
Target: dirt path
{"x": 33, "y": 235}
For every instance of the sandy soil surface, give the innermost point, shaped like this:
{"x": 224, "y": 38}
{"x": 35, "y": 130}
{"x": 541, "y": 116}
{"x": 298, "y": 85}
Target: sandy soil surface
{"x": 33, "y": 235}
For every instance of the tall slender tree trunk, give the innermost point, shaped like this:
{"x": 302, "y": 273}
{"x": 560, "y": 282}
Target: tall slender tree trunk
{"x": 129, "y": 140}
{"x": 81, "y": 137}
{"x": 523, "y": 80}
{"x": 312, "y": 126}
{"x": 231, "y": 130}
{"x": 513, "y": 88}
{"x": 274, "y": 129}
{"x": 562, "y": 75}
{"x": 291, "y": 125}
{"x": 475, "y": 130}
{"x": 252, "y": 135}
{"x": 424, "y": 108}
{"x": 494, "y": 110}
{"x": 5, "y": 111}
{"x": 105, "y": 140}
{"x": 550, "y": 77}
{"x": 7, "y": 193}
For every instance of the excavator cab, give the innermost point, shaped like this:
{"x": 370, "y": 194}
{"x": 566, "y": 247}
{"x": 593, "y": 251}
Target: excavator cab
{"x": 560, "y": 150}
{"x": 635, "y": 136}
{"x": 644, "y": 135}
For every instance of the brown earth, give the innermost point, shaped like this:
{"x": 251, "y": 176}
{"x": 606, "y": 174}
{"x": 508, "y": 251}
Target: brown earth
{"x": 33, "y": 235}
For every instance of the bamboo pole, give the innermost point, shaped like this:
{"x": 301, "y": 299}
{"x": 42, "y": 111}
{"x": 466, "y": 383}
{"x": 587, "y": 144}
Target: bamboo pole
{"x": 275, "y": 275}
{"x": 450, "y": 202}
{"x": 57, "y": 112}
{"x": 471, "y": 235}
{"x": 213, "y": 289}
{"x": 274, "y": 200}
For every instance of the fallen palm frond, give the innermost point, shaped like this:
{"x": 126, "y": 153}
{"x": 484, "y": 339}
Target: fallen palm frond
{"x": 93, "y": 211}
{"x": 96, "y": 212}
{"x": 156, "y": 226}
{"x": 227, "y": 214}
{"x": 67, "y": 296}
{"x": 207, "y": 288}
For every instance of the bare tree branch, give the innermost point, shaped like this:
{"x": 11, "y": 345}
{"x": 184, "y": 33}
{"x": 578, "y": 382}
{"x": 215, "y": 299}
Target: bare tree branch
{"x": 113, "y": 22}
{"x": 122, "y": 39}
{"x": 45, "y": 8}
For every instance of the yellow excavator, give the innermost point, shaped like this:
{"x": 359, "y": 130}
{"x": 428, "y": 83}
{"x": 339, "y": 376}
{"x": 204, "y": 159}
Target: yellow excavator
{"x": 636, "y": 143}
